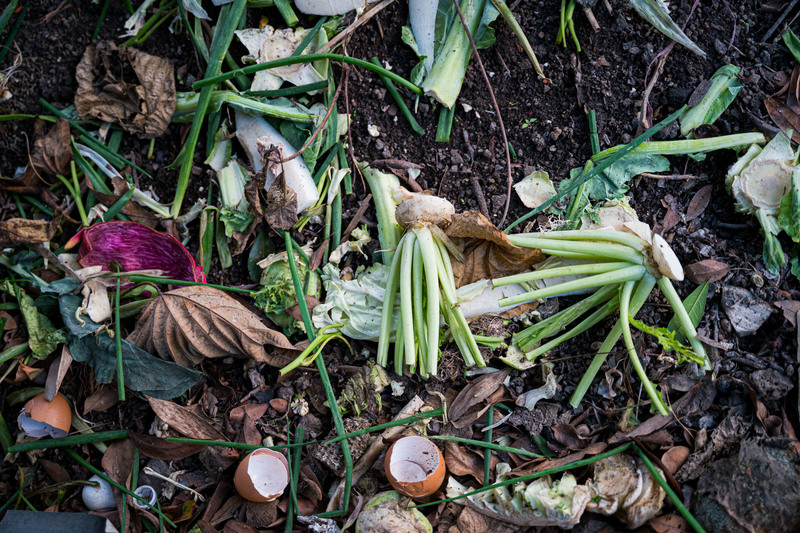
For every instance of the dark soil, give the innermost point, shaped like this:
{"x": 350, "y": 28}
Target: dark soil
{"x": 546, "y": 124}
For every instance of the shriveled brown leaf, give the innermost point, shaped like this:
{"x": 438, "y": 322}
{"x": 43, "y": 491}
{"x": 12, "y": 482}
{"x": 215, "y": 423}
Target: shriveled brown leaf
{"x": 55, "y": 374}
{"x": 101, "y": 401}
{"x": 784, "y": 116}
{"x": 709, "y": 270}
{"x": 591, "y": 450}
{"x": 144, "y": 108}
{"x": 280, "y": 210}
{"x": 137, "y": 213}
{"x": 118, "y": 465}
{"x": 53, "y": 152}
{"x": 27, "y": 231}
{"x": 462, "y": 462}
{"x": 674, "y": 458}
{"x": 790, "y": 309}
{"x": 184, "y": 421}
{"x": 190, "y": 324}
{"x": 699, "y": 202}
{"x": 163, "y": 449}
{"x": 57, "y": 473}
{"x": 251, "y": 410}
{"x": 487, "y": 250}
{"x": 10, "y": 323}
{"x": 670, "y": 523}
{"x": 571, "y": 437}
{"x": 476, "y": 398}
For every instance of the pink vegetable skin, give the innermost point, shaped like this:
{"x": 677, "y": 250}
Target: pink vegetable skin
{"x": 135, "y": 247}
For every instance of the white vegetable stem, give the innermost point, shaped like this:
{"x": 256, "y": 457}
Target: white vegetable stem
{"x": 329, "y": 7}
{"x": 253, "y": 132}
{"x": 422, "y": 15}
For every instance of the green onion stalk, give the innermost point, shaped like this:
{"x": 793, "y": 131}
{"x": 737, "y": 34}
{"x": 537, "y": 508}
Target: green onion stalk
{"x": 421, "y": 276}
{"x": 619, "y": 269}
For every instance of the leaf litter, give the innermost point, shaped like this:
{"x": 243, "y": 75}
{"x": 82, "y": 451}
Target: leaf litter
{"x": 201, "y": 362}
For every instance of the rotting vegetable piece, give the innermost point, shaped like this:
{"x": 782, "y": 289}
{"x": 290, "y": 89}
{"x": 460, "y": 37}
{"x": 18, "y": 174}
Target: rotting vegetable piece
{"x": 421, "y": 271}
{"x": 385, "y": 513}
{"x": 415, "y": 466}
{"x": 758, "y": 181}
{"x": 262, "y": 476}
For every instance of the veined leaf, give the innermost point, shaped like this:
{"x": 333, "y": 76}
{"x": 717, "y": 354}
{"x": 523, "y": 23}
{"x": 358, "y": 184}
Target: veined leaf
{"x": 666, "y": 339}
{"x": 695, "y": 305}
{"x": 655, "y": 12}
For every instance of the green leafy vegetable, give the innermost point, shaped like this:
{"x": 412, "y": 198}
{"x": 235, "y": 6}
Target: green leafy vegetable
{"x": 234, "y": 209}
{"x": 725, "y": 85}
{"x": 789, "y": 211}
{"x": 43, "y": 337}
{"x": 277, "y": 294}
{"x": 666, "y": 339}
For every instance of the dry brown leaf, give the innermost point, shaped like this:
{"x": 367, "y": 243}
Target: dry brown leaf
{"x": 699, "y": 202}
{"x": 790, "y": 309}
{"x": 25, "y": 231}
{"x": 674, "y": 458}
{"x": 670, "y": 523}
{"x": 190, "y": 324}
{"x": 52, "y": 152}
{"x": 783, "y": 116}
{"x": 144, "y": 108}
{"x": 709, "y": 270}
{"x": 57, "y": 473}
{"x": 252, "y": 410}
{"x": 476, "y": 398}
{"x": 118, "y": 464}
{"x": 462, "y": 462}
{"x": 488, "y": 252}
{"x": 280, "y": 210}
{"x": 101, "y": 401}
{"x": 163, "y": 449}
{"x": 184, "y": 421}
{"x": 570, "y": 437}
{"x": 591, "y": 450}
{"x": 55, "y": 374}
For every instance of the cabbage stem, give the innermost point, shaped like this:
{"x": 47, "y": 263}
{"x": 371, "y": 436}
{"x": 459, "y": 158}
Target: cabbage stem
{"x": 572, "y": 270}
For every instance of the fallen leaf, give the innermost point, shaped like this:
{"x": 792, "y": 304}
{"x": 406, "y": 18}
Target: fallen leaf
{"x": 280, "y": 210}
{"x": 118, "y": 464}
{"x": 56, "y": 472}
{"x": 101, "y": 401}
{"x": 783, "y": 116}
{"x": 790, "y": 309}
{"x": 462, "y": 462}
{"x": 569, "y": 436}
{"x": 709, "y": 270}
{"x": 28, "y": 231}
{"x": 472, "y": 402}
{"x": 144, "y": 108}
{"x": 699, "y": 202}
{"x": 55, "y": 375}
{"x": 535, "y": 189}
{"x": 52, "y": 152}
{"x": 488, "y": 252}
{"x": 670, "y": 523}
{"x": 252, "y": 410}
{"x": 674, "y": 458}
{"x": 591, "y": 450}
{"x": 190, "y": 324}
{"x": 9, "y": 324}
{"x": 185, "y": 421}
{"x": 163, "y": 449}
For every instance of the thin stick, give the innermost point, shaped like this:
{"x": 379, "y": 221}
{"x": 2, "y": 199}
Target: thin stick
{"x": 496, "y": 110}
{"x": 356, "y": 23}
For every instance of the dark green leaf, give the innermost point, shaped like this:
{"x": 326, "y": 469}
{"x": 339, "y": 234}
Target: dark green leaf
{"x": 262, "y": 247}
{"x": 695, "y": 305}
{"x": 76, "y": 327}
{"x": 144, "y": 373}
{"x": 43, "y": 337}
{"x": 792, "y": 42}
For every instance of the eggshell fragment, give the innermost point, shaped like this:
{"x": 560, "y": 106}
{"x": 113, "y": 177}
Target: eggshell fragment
{"x": 262, "y": 476}
{"x": 415, "y": 467}
{"x": 100, "y": 497}
{"x": 40, "y": 418}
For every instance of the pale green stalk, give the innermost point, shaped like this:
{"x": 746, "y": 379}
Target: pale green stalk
{"x": 625, "y": 274}
{"x": 406, "y": 304}
{"x": 388, "y": 308}
{"x": 607, "y": 235}
{"x": 593, "y": 319}
{"x": 624, "y": 321}
{"x": 607, "y": 250}
{"x": 428, "y": 249}
{"x": 688, "y": 146}
{"x": 389, "y": 231}
{"x": 640, "y": 295}
{"x": 571, "y": 270}
{"x": 187, "y": 104}
{"x": 419, "y": 313}
{"x": 669, "y": 292}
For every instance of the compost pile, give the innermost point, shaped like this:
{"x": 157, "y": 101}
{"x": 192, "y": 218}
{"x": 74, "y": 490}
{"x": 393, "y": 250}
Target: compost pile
{"x": 275, "y": 265}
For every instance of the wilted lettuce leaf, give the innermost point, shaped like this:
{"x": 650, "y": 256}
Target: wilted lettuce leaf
{"x": 613, "y": 181}
{"x": 789, "y": 211}
{"x": 43, "y": 337}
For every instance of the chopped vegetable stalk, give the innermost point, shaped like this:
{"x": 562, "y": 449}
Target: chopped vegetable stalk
{"x": 725, "y": 85}
{"x": 234, "y": 209}
{"x": 422, "y": 273}
{"x": 627, "y": 267}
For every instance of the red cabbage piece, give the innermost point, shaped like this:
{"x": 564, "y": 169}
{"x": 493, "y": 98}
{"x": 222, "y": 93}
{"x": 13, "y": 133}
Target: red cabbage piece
{"x": 135, "y": 247}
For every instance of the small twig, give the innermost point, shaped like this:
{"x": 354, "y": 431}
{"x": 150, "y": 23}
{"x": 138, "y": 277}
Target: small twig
{"x": 356, "y": 219}
{"x": 496, "y": 108}
{"x": 476, "y": 188}
{"x": 591, "y": 18}
{"x": 352, "y": 27}
{"x": 321, "y": 125}
{"x": 150, "y": 472}
{"x": 779, "y": 21}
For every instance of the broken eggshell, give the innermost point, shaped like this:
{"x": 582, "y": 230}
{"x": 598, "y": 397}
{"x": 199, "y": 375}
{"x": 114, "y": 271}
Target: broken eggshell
{"x": 262, "y": 476}
{"x": 40, "y": 418}
{"x": 98, "y": 497}
{"x": 415, "y": 467}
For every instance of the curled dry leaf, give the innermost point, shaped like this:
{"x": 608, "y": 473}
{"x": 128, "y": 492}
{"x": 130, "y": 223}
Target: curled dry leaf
{"x": 699, "y": 202}
{"x": 193, "y": 323}
{"x": 52, "y": 152}
{"x": 709, "y": 270}
{"x": 476, "y": 398}
{"x": 280, "y": 210}
{"x": 25, "y": 231}
{"x": 462, "y": 462}
{"x": 488, "y": 252}
{"x": 184, "y": 421}
{"x": 163, "y": 449}
{"x": 144, "y": 108}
